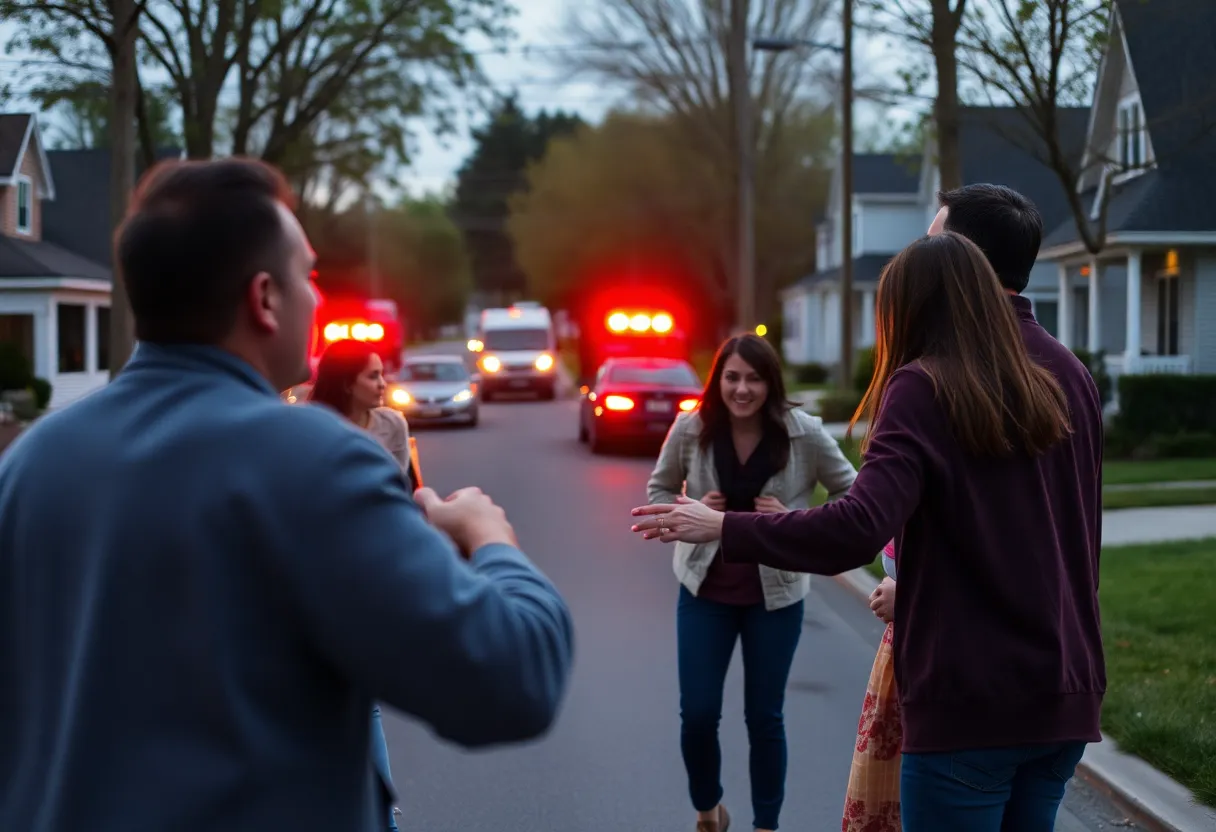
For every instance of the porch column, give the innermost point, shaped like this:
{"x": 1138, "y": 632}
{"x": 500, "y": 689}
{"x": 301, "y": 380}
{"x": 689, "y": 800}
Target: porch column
{"x": 1095, "y": 341}
{"x": 1064, "y": 308}
{"x": 867, "y": 318}
{"x": 1131, "y": 354}
{"x": 90, "y": 338}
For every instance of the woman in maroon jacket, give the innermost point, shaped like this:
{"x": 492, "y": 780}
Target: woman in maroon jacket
{"x": 983, "y": 462}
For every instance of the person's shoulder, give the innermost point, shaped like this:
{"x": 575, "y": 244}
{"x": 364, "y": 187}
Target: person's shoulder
{"x": 390, "y": 422}
{"x": 686, "y": 424}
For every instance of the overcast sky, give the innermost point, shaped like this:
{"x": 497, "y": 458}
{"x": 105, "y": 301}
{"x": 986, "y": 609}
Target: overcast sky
{"x": 527, "y": 66}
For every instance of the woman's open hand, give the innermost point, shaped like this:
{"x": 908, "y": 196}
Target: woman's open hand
{"x": 687, "y": 521}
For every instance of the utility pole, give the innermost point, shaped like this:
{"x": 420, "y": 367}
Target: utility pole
{"x": 745, "y": 203}
{"x": 846, "y": 201}
{"x": 123, "y": 90}
{"x": 373, "y": 265}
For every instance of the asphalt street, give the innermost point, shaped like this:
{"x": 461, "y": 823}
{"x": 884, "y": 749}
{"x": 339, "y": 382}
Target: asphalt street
{"x": 612, "y": 762}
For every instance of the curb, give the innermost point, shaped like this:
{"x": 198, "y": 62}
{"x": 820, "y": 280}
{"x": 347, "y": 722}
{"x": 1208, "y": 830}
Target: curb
{"x": 1154, "y": 801}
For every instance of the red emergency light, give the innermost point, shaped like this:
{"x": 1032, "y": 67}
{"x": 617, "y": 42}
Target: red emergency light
{"x": 623, "y": 321}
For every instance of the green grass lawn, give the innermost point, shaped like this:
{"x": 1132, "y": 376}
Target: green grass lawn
{"x": 1160, "y": 634}
{"x": 1159, "y": 498}
{"x": 1119, "y": 471}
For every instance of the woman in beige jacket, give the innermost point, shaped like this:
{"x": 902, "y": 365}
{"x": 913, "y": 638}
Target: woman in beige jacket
{"x": 747, "y": 448}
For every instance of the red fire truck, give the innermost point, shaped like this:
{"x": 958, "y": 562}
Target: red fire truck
{"x": 640, "y": 323}
{"x": 373, "y": 320}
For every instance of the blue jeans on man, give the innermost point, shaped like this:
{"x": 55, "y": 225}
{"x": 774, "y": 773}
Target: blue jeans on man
{"x": 987, "y": 790}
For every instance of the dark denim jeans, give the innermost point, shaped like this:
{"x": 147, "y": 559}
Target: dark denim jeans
{"x": 380, "y": 760}
{"x": 706, "y": 634}
{"x": 989, "y": 790}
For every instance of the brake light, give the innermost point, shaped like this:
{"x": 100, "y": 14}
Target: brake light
{"x": 618, "y": 403}
{"x": 688, "y": 404}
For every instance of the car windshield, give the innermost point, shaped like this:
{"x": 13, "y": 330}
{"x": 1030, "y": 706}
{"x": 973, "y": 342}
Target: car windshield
{"x": 672, "y": 376}
{"x": 506, "y": 340}
{"x": 434, "y": 371}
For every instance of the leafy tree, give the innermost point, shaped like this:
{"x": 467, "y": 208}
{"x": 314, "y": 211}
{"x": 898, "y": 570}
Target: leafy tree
{"x": 629, "y": 194}
{"x": 503, "y": 148}
{"x": 416, "y": 252}
{"x": 83, "y": 107}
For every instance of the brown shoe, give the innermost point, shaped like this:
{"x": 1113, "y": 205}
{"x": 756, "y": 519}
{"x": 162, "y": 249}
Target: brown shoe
{"x": 720, "y": 825}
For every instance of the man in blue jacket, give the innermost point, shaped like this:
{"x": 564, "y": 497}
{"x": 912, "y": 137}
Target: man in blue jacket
{"x": 203, "y": 590}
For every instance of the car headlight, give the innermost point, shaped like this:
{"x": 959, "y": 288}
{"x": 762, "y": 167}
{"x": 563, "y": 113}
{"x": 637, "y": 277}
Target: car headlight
{"x": 463, "y": 396}
{"x": 491, "y": 364}
{"x": 399, "y": 396}
{"x": 544, "y": 362}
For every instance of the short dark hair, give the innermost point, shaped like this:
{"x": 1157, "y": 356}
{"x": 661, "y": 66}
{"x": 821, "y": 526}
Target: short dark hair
{"x": 1006, "y": 226}
{"x": 195, "y": 235}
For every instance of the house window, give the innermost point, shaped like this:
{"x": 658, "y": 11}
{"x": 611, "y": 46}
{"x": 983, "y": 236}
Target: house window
{"x": 1131, "y": 135}
{"x": 19, "y": 331}
{"x": 856, "y": 231}
{"x": 103, "y": 338}
{"x": 70, "y": 322}
{"x": 25, "y": 207}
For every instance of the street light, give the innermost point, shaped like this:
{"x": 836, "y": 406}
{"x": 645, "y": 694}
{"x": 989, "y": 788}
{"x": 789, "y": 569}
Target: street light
{"x": 846, "y": 181}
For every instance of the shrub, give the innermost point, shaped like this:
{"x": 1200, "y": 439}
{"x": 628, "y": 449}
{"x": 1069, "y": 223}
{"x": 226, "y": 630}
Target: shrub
{"x": 15, "y": 370}
{"x": 839, "y": 405}
{"x": 1096, "y": 364}
{"x": 1165, "y": 405}
{"x": 810, "y": 373}
{"x": 863, "y": 369}
{"x": 41, "y": 388}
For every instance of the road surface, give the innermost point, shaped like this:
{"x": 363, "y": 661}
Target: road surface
{"x": 612, "y": 763}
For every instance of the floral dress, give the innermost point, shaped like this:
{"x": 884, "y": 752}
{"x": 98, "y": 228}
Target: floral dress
{"x": 872, "y": 800}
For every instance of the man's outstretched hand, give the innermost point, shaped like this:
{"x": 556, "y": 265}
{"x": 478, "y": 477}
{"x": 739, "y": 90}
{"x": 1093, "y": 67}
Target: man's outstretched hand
{"x": 467, "y": 516}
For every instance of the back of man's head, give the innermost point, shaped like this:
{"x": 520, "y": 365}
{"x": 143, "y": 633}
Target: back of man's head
{"x": 1003, "y": 223}
{"x": 195, "y": 235}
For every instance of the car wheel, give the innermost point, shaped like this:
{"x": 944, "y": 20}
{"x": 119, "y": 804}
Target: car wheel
{"x": 473, "y": 418}
{"x": 597, "y": 442}
{"x": 582, "y": 429}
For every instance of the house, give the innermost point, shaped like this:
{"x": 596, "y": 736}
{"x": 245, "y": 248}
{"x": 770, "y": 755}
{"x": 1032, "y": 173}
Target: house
{"x": 894, "y": 201}
{"x": 55, "y": 256}
{"x": 54, "y": 303}
{"x": 1148, "y": 299}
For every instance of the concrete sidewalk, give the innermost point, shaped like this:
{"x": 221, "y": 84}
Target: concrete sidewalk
{"x": 1130, "y": 526}
{"x": 1157, "y": 802}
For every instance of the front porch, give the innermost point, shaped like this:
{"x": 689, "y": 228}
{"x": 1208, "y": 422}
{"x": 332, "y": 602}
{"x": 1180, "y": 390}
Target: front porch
{"x": 1147, "y": 308}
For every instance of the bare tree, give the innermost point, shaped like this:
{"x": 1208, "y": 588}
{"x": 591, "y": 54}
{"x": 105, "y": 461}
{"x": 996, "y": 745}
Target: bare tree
{"x": 675, "y": 56}
{"x": 933, "y": 25}
{"x": 1042, "y": 57}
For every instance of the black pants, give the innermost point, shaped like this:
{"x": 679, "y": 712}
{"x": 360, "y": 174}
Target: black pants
{"x": 706, "y": 634}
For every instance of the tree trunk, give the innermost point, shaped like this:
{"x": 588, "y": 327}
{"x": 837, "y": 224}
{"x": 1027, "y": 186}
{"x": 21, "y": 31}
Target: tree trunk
{"x": 123, "y": 99}
{"x": 945, "y": 106}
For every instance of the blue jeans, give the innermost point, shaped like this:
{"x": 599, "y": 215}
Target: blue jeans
{"x": 706, "y": 633}
{"x": 988, "y": 790}
{"x": 380, "y": 759}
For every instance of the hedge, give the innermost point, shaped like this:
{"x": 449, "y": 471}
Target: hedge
{"x": 1166, "y": 405}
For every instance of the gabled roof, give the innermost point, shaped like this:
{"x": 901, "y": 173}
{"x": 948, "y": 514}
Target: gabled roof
{"x": 1173, "y": 54}
{"x": 885, "y": 173}
{"x": 40, "y": 259}
{"x": 17, "y": 131}
{"x": 81, "y": 222}
{"x": 998, "y": 146}
{"x": 866, "y": 270}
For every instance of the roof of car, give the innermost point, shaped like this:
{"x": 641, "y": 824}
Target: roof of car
{"x": 438, "y": 358}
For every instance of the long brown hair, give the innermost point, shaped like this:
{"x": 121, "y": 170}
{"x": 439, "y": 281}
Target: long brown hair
{"x": 761, "y": 357}
{"x": 337, "y": 371}
{"x": 941, "y": 306}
